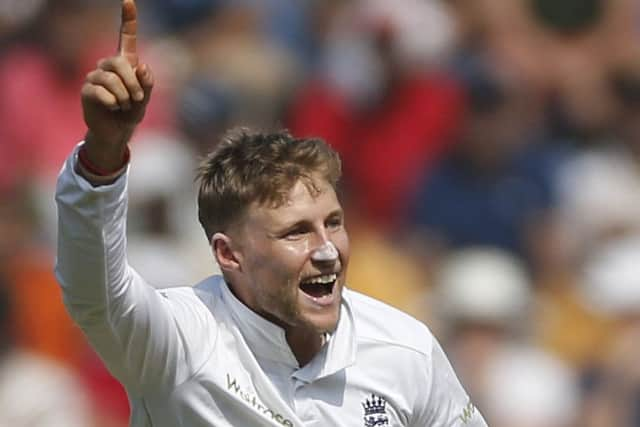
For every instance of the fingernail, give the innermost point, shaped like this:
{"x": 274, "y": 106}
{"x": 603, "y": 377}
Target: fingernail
{"x": 138, "y": 96}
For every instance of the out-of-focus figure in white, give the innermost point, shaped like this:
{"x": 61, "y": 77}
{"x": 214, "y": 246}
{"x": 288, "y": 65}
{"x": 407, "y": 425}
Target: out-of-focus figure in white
{"x": 35, "y": 391}
{"x": 484, "y": 298}
{"x": 165, "y": 241}
{"x": 610, "y": 286}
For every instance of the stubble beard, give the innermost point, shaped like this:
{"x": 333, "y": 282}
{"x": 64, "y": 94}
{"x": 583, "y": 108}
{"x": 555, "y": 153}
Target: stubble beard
{"x": 283, "y": 309}
{"x": 281, "y": 306}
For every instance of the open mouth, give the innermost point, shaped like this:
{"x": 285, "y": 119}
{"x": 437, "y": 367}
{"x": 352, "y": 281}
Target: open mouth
{"x": 319, "y": 286}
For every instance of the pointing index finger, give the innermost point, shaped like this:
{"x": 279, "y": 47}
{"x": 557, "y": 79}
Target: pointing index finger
{"x": 128, "y": 32}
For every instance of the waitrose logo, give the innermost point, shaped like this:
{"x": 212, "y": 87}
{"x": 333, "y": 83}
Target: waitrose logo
{"x": 254, "y": 401}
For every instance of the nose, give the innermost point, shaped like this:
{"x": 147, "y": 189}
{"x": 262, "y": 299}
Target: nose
{"x": 327, "y": 252}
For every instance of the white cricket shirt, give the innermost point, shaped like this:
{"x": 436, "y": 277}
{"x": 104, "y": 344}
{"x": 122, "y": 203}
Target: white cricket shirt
{"x": 197, "y": 357}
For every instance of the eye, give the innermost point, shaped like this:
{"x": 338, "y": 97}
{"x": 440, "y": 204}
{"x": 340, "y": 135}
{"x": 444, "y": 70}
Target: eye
{"x": 334, "y": 222}
{"x": 295, "y": 233}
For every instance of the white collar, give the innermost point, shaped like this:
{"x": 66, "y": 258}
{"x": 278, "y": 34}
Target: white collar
{"x": 268, "y": 341}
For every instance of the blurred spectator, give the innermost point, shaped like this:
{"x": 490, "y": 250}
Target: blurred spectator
{"x": 484, "y": 300}
{"x": 600, "y": 187}
{"x": 578, "y": 42}
{"x": 52, "y": 65}
{"x": 65, "y": 40}
{"x": 381, "y": 101}
{"x": 40, "y": 325}
{"x": 166, "y": 243}
{"x": 35, "y": 391}
{"x": 231, "y": 51}
{"x": 495, "y": 185}
{"x": 15, "y": 17}
{"x": 529, "y": 388}
{"x": 40, "y": 321}
{"x": 382, "y": 268}
{"x": 288, "y": 24}
{"x": 163, "y": 17}
{"x": 483, "y": 285}
{"x": 205, "y": 111}
{"x": 565, "y": 49}
{"x": 564, "y": 325}
{"x": 610, "y": 275}
{"x": 599, "y": 203}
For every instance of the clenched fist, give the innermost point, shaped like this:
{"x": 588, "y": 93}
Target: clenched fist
{"x": 115, "y": 96}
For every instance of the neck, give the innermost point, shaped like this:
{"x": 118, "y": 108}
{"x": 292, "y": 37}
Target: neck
{"x": 304, "y": 344}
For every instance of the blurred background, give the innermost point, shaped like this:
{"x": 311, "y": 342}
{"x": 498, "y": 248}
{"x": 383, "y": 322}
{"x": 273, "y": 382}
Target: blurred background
{"x": 491, "y": 151}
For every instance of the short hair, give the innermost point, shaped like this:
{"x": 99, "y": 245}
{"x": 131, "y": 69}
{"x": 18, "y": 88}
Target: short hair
{"x": 248, "y": 166}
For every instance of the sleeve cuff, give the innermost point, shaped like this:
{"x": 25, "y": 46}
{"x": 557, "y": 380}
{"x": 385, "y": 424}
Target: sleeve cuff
{"x": 92, "y": 178}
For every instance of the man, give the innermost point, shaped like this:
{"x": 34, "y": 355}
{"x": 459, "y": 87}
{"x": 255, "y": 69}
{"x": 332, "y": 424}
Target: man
{"x": 276, "y": 340}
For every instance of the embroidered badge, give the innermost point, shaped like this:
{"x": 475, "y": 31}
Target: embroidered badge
{"x": 375, "y": 411}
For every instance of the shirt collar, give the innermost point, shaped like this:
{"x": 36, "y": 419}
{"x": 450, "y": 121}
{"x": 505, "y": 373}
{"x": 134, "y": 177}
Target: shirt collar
{"x": 267, "y": 340}
{"x": 338, "y": 353}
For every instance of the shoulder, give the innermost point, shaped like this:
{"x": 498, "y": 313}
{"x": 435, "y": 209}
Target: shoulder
{"x": 206, "y": 292}
{"x": 378, "y": 322}
{"x": 196, "y": 316}
{"x": 193, "y": 303}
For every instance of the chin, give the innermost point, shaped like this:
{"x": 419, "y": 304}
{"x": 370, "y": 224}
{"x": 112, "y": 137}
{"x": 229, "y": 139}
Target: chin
{"x": 326, "y": 321}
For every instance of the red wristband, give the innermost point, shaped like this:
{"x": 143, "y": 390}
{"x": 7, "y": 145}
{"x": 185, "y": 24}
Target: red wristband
{"x": 96, "y": 170}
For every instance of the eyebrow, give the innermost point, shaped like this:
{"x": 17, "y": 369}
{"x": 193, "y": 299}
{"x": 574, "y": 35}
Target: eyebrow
{"x": 338, "y": 212}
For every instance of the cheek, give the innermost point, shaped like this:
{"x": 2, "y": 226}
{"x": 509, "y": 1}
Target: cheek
{"x": 296, "y": 250}
{"x": 341, "y": 240}
{"x": 284, "y": 260}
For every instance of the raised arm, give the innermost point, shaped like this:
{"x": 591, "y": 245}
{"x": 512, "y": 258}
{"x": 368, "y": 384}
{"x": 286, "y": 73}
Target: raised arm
{"x": 114, "y": 99}
{"x": 137, "y": 331}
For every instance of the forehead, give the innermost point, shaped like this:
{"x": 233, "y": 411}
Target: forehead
{"x": 302, "y": 203}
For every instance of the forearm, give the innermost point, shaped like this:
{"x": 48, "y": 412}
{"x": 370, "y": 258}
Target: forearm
{"x": 91, "y": 261}
{"x": 127, "y": 322}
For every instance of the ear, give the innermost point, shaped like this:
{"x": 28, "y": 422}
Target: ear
{"x": 228, "y": 259}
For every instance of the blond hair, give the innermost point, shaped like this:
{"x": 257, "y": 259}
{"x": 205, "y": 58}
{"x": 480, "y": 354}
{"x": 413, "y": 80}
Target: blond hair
{"x": 248, "y": 167}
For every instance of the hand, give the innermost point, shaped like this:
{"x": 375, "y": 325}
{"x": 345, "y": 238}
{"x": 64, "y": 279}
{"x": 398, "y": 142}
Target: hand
{"x": 115, "y": 95}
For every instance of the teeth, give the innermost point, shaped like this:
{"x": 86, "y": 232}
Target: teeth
{"x": 327, "y": 278}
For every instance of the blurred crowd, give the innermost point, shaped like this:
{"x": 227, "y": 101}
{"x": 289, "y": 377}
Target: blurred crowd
{"x": 491, "y": 154}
